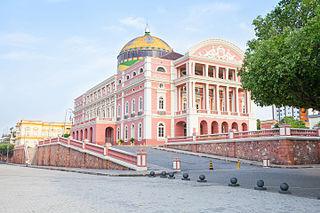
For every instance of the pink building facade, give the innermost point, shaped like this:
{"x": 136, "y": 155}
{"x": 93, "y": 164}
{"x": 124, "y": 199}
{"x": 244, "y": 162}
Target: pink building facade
{"x": 157, "y": 93}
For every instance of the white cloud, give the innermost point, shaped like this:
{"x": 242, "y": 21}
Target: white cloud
{"x": 113, "y": 28}
{"x": 24, "y": 56}
{"x": 214, "y": 7}
{"x": 135, "y": 22}
{"x": 19, "y": 39}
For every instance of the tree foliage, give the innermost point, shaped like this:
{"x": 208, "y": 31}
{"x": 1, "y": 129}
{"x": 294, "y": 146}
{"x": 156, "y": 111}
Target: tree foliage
{"x": 282, "y": 64}
{"x": 4, "y": 147}
{"x": 258, "y": 124}
{"x": 294, "y": 123}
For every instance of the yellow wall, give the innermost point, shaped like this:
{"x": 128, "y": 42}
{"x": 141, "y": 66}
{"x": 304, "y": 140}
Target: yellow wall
{"x": 30, "y": 132}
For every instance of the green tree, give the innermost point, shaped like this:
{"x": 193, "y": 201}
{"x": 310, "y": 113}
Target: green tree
{"x": 294, "y": 123}
{"x": 258, "y": 124}
{"x": 66, "y": 135}
{"x": 282, "y": 63}
{"x": 4, "y": 147}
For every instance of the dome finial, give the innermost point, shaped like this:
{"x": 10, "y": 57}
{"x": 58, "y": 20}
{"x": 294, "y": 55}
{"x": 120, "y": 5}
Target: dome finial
{"x": 147, "y": 30}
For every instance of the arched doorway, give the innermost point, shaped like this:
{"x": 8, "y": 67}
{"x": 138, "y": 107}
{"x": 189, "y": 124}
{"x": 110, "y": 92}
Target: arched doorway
{"x": 73, "y": 135}
{"x": 224, "y": 127}
{"x": 109, "y": 135}
{"x": 90, "y": 134}
{"x": 214, "y": 127}
{"x": 81, "y": 135}
{"x": 181, "y": 129}
{"x": 234, "y": 126}
{"x": 86, "y": 134}
{"x": 244, "y": 127}
{"x": 203, "y": 128}
{"x": 77, "y": 135}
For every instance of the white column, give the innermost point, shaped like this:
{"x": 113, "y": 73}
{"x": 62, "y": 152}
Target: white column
{"x": 218, "y": 98}
{"x": 227, "y": 99}
{"x": 206, "y": 70}
{"x": 190, "y": 64}
{"x": 189, "y": 95}
{"x": 237, "y": 100}
{"x": 217, "y": 71}
{"x": 227, "y": 73}
{"x": 188, "y": 68}
{"x": 193, "y": 95}
{"x": 207, "y": 98}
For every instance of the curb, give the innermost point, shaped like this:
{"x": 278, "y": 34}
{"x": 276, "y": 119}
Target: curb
{"x": 82, "y": 171}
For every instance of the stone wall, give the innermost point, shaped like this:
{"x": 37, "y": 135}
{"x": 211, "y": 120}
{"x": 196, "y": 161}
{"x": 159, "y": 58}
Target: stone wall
{"x": 283, "y": 151}
{"x": 58, "y": 155}
{"x": 18, "y": 156}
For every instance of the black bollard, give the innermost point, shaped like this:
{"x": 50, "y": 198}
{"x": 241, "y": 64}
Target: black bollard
{"x": 171, "y": 175}
{"x": 163, "y": 174}
{"x": 152, "y": 174}
{"x": 185, "y": 176}
{"x": 260, "y": 185}
{"x": 202, "y": 179}
{"x": 233, "y": 182}
{"x": 284, "y": 188}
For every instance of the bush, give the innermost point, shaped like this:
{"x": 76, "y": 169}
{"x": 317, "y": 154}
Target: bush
{"x": 294, "y": 123}
{"x": 4, "y": 147}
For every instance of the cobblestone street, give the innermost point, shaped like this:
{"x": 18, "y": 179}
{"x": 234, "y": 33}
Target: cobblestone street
{"x": 36, "y": 190}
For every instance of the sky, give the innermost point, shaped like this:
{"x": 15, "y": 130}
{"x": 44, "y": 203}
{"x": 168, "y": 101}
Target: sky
{"x": 52, "y": 51}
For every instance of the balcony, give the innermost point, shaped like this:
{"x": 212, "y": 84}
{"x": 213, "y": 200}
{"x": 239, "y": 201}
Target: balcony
{"x": 201, "y": 111}
{"x": 234, "y": 113}
{"x": 180, "y": 112}
{"x": 214, "y": 112}
{"x": 161, "y": 112}
{"x": 140, "y": 113}
{"x": 133, "y": 114}
{"x": 118, "y": 118}
{"x": 126, "y": 117}
{"x": 244, "y": 114}
{"x": 224, "y": 113}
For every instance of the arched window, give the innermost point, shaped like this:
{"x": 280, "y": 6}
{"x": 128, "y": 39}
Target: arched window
{"x": 134, "y": 74}
{"x": 140, "y": 131}
{"x": 118, "y": 133}
{"x": 119, "y": 110}
{"x": 127, "y": 108}
{"x": 141, "y": 70}
{"x": 133, "y": 105}
{"x": 126, "y": 133}
{"x": 128, "y": 77}
{"x": 161, "y": 69}
{"x": 132, "y": 131}
{"x": 108, "y": 112}
{"x": 160, "y": 130}
{"x": 161, "y": 103}
{"x": 140, "y": 104}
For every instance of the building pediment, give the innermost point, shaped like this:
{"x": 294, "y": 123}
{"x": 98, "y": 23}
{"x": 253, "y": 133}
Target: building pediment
{"x": 217, "y": 49}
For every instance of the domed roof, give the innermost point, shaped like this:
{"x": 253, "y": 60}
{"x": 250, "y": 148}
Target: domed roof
{"x": 146, "y": 41}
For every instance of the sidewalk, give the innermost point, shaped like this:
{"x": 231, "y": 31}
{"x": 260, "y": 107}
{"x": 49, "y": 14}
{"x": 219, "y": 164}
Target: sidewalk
{"x": 255, "y": 163}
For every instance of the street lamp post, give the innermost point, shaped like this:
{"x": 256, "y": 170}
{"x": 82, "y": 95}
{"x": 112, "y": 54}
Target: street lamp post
{"x": 65, "y": 120}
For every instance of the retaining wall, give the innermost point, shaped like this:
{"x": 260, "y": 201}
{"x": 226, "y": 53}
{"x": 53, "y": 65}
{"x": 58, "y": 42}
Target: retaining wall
{"x": 279, "y": 150}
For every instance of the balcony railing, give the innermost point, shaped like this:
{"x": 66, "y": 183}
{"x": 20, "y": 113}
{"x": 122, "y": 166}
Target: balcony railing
{"x": 277, "y": 132}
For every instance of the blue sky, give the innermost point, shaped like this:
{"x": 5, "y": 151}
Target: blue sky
{"x": 51, "y": 51}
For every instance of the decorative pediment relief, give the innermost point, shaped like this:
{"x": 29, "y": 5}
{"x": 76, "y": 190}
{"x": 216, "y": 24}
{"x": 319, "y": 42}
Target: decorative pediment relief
{"x": 217, "y": 50}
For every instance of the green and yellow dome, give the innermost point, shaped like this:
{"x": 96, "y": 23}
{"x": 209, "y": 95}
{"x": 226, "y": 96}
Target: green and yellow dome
{"x": 140, "y": 47}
